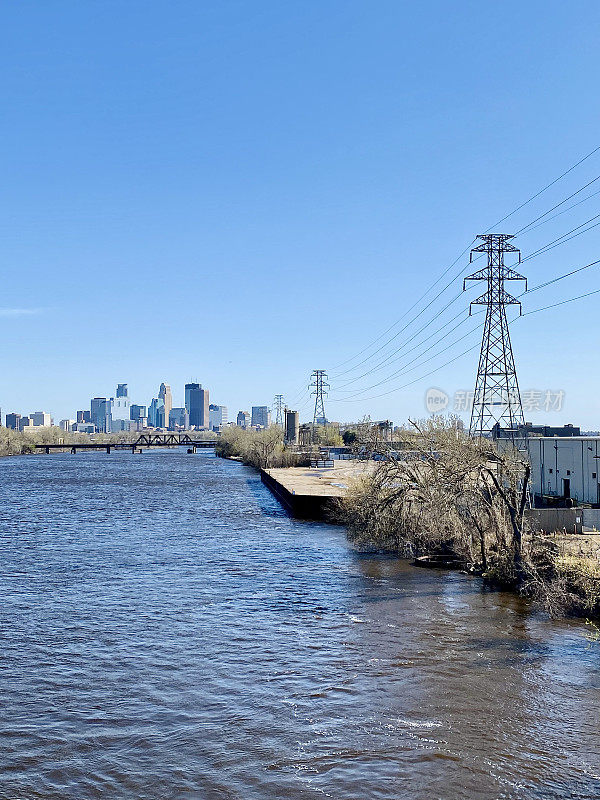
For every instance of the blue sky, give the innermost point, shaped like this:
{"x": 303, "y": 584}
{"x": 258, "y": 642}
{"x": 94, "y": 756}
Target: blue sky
{"x": 240, "y": 193}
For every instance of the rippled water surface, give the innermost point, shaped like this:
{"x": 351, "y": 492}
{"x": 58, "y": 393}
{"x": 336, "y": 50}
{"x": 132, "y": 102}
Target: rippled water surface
{"x": 166, "y": 631}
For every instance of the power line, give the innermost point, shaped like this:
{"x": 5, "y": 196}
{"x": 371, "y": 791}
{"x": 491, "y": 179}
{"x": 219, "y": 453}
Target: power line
{"x": 408, "y": 324}
{"x": 507, "y": 216}
{"x": 556, "y": 242}
{"x": 562, "y": 302}
{"x": 541, "y": 191}
{"x": 531, "y": 226}
{"x": 411, "y": 383}
{"x": 540, "y": 251}
{"x": 406, "y": 313}
{"x": 418, "y": 364}
{"x": 419, "y": 344}
{"x": 560, "y": 278}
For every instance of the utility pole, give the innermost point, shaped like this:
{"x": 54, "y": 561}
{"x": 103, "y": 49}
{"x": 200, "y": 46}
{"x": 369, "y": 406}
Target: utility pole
{"x": 497, "y": 400}
{"x": 279, "y": 409}
{"x": 319, "y": 388}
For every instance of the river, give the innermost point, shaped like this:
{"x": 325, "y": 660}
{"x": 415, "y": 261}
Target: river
{"x": 167, "y": 631}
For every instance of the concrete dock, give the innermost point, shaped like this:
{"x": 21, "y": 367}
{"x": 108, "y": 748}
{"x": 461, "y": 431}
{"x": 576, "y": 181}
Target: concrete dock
{"x": 310, "y": 493}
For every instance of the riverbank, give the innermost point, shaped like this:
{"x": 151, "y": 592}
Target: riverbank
{"x": 560, "y": 569}
{"x": 312, "y": 492}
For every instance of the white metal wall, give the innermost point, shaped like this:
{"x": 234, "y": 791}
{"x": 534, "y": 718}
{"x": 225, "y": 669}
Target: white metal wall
{"x": 556, "y": 459}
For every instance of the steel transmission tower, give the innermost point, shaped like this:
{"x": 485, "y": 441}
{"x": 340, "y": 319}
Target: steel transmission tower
{"x": 497, "y": 399}
{"x": 279, "y": 409}
{"x": 319, "y": 388}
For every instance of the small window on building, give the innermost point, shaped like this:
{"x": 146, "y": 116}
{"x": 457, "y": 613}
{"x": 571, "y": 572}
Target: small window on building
{"x": 593, "y": 474}
{"x": 568, "y": 472}
{"x": 550, "y": 471}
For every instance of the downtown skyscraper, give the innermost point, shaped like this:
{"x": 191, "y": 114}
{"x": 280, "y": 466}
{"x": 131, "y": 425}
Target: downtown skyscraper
{"x": 197, "y": 405}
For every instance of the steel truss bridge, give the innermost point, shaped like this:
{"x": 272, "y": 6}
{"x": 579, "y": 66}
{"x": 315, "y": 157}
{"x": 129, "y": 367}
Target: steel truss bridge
{"x": 144, "y": 440}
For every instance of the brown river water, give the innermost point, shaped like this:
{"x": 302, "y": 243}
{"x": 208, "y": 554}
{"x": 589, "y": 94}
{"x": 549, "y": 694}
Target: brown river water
{"x": 167, "y": 631}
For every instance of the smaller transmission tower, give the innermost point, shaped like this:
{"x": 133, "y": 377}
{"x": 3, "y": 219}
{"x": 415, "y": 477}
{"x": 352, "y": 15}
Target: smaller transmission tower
{"x": 279, "y": 410}
{"x": 319, "y": 388}
{"x": 497, "y": 400}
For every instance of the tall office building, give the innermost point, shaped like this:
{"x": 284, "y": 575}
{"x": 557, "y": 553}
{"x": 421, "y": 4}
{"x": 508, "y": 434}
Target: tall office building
{"x": 156, "y": 413}
{"x": 243, "y": 419}
{"x": 261, "y": 416}
{"x": 164, "y": 394}
{"x": 13, "y": 421}
{"x": 84, "y": 416}
{"x": 197, "y": 405}
{"x": 100, "y": 414}
{"x": 137, "y": 412}
{"x": 121, "y": 409}
{"x": 179, "y": 418}
{"x": 217, "y": 416}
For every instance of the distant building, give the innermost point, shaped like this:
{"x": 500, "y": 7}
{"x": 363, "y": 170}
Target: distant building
{"x": 179, "y": 419}
{"x": 41, "y": 419}
{"x": 67, "y": 425}
{"x": 306, "y": 434}
{"x": 243, "y": 419}
{"x": 120, "y": 409}
{"x": 217, "y": 417}
{"x": 101, "y": 414}
{"x": 291, "y": 427}
{"x": 139, "y": 415}
{"x": 261, "y": 416}
{"x": 535, "y": 430}
{"x": 84, "y": 427}
{"x": 25, "y": 423}
{"x": 13, "y": 421}
{"x": 84, "y": 416}
{"x": 385, "y": 430}
{"x": 156, "y": 413}
{"x": 164, "y": 394}
{"x": 197, "y": 404}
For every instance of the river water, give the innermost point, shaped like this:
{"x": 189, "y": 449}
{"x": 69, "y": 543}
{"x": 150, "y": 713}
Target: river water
{"x": 167, "y": 631}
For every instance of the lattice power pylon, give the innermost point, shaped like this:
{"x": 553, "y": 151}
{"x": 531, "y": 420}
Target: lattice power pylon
{"x": 319, "y": 388}
{"x": 279, "y": 409}
{"x": 497, "y": 400}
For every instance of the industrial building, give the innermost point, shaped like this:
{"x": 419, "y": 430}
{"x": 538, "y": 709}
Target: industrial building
{"x": 565, "y": 468}
{"x": 291, "y": 427}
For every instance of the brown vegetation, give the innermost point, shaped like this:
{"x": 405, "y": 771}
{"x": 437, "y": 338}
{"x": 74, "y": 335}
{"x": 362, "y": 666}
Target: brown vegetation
{"x": 441, "y": 492}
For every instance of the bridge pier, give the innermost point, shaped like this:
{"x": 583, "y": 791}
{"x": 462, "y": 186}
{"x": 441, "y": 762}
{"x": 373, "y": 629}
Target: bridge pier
{"x": 73, "y": 451}
{"x": 108, "y": 449}
{"x": 47, "y": 451}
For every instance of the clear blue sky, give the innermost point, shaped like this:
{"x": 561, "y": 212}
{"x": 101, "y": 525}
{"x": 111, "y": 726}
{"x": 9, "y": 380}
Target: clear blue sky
{"x": 242, "y": 192}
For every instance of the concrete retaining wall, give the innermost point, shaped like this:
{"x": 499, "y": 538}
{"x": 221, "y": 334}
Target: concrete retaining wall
{"x": 302, "y": 506}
